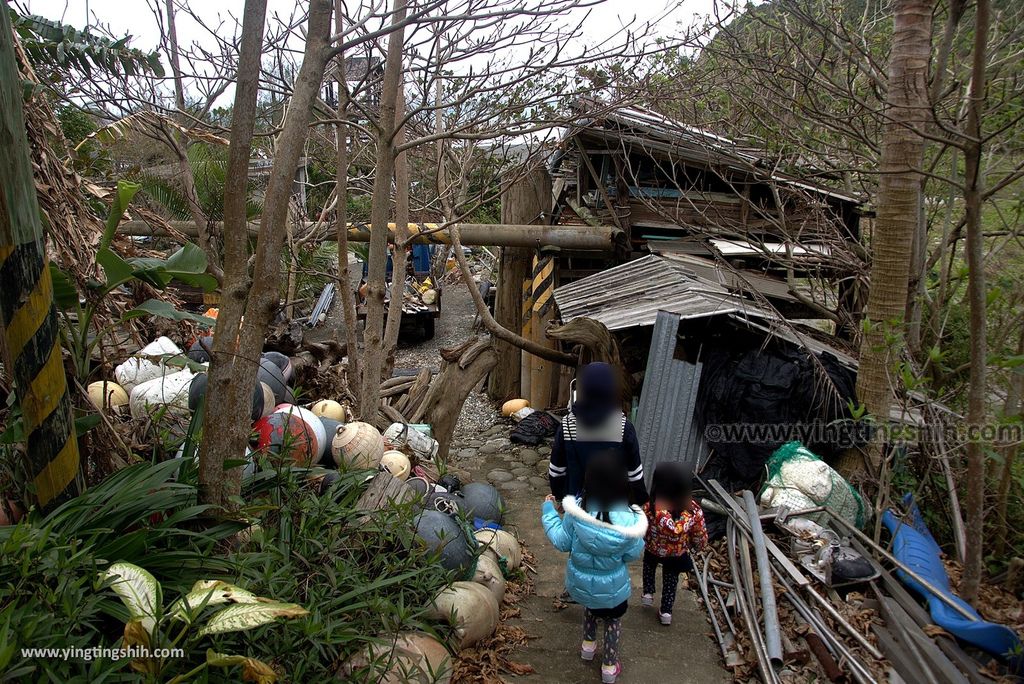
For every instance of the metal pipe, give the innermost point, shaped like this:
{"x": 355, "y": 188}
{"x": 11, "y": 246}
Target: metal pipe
{"x": 895, "y": 561}
{"x": 746, "y": 607}
{"x": 589, "y": 238}
{"x": 701, "y": 584}
{"x": 850, "y": 629}
{"x": 769, "y": 610}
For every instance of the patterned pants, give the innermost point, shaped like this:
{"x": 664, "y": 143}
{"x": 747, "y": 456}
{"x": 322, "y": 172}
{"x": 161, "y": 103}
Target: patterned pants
{"x": 671, "y": 568}
{"x": 612, "y": 632}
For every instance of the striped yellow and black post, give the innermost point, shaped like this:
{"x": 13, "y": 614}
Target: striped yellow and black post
{"x": 32, "y": 353}
{"x": 541, "y": 370}
{"x": 527, "y": 359}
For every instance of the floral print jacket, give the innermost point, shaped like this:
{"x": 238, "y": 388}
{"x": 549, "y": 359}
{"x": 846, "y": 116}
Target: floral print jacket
{"x": 670, "y": 536}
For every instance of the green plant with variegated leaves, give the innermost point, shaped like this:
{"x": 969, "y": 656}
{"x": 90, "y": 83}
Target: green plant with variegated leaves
{"x": 211, "y": 607}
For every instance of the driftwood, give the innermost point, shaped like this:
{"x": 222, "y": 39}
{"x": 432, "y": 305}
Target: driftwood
{"x": 453, "y": 354}
{"x": 384, "y": 490}
{"x": 417, "y": 392}
{"x": 596, "y": 344}
{"x": 314, "y": 357}
{"x": 396, "y": 382}
{"x": 470, "y": 355}
{"x": 448, "y": 392}
{"x": 397, "y": 389}
{"x": 393, "y": 415}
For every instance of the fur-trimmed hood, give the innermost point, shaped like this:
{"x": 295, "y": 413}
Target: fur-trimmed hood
{"x": 628, "y": 523}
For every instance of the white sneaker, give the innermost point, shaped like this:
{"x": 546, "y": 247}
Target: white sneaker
{"x": 647, "y": 600}
{"x": 666, "y": 618}
{"x": 588, "y": 649}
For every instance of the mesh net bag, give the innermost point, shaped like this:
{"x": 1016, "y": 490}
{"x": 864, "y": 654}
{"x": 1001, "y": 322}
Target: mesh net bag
{"x": 799, "y": 479}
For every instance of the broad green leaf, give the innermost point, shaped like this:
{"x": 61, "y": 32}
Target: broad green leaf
{"x": 139, "y": 591}
{"x": 155, "y": 307}
{"x": 117, "y": 270}
{"x": 211, "y": 593}
{"x": 241, "y": 617}
{"x": 64, "y": 292}
{"x": 125, "y": 192}
{"x": 222, "y": 659}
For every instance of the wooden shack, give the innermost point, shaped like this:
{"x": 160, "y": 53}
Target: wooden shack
{"x": 790, "y": 243}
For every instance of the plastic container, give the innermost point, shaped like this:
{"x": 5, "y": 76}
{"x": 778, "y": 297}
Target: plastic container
{"x": 399, "y": 435}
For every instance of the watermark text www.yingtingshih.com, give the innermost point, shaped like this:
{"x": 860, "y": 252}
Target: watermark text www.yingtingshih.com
{"x": 851, "y": 433}
{"x": 101, "y": 653}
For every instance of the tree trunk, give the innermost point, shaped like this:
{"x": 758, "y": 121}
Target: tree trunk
{"x": 346, "y": 296}
{"x": 399, "y": 258}
{"x": 373, "y": 357}
{"x": 226, "y": 432}
{"x": 526, "y": 201}
{"x": 976, "y": 294}
{"x": 907, "y": 111}
{"x": 230, "y": 409}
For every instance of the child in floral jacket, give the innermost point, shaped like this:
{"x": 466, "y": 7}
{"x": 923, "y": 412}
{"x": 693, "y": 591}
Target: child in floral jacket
{"x": 675, "y": 527}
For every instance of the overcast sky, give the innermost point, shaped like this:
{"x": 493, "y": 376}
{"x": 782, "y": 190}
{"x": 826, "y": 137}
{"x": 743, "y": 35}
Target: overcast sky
{"x": 135, "y": 17}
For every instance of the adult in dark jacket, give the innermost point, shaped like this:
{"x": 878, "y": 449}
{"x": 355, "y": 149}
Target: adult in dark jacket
{"x": 595, "y": 424}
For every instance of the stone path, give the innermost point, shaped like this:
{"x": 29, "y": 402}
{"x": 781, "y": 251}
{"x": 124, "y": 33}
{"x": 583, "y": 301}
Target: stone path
{"x": 682, "y": 653}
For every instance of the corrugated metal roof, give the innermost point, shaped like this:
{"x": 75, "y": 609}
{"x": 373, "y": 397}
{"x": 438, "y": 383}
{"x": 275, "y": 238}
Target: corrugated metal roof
{"x": 665, "y": 425}
{"x": 656, "y": 132}
{"x": 633, "y": 293}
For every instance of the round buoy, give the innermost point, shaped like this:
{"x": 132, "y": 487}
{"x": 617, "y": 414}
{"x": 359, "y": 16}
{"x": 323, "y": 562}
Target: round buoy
{"x": 328, "y": 408}
{"x": 473, "y": 607}
{"x": 358, "y": 445}
{"x": 286, "y": 435}
{"x": 281, "y": 361}
{"x": 429, "y": 297}
{"x": 489, "y": 574}
{"x": 319, "y": 432}
{"x": 513, "y": 405}
{"x": 268, "y": 401}
{"x": 107, "y": 396}
{"x": 197, "y": 390}
{"x": 483, "y": 501}
{"x": 326, "y": 480}
{"x": 274, "y": 377}
{"x": 396, "y": 463}
{"x": 413, "y": 658}
{"x": 442, "y": 534}
{"x": 444, "y": 502}
{"x": 331, "y": 428}
{"x": 503, "y": 544}
{"x": 419, "y": 486}
{"x": 200, "y": 349}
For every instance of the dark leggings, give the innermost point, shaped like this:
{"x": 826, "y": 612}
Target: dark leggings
{"x": 612, "y": 632}
{"x": 671, "y": 568}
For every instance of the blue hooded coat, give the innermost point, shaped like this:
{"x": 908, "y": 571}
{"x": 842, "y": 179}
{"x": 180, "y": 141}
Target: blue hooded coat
{"x": 596, "y": 575}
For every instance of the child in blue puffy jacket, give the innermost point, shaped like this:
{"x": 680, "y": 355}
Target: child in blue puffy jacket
{"x": 602, "y": 533}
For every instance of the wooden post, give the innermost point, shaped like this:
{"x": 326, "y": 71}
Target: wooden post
{"x": 526, "y": 361}
{"x": 30, "y": 338}
{"x": 527, "y": 201}
{"x": 542, "y": 371}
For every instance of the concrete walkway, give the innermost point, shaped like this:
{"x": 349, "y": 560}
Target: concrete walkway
{"x": 680, "y": 653}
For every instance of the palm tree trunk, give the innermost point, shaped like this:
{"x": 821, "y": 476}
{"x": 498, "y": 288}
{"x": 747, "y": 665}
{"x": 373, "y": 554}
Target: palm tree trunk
{"x": 906, "y": 112}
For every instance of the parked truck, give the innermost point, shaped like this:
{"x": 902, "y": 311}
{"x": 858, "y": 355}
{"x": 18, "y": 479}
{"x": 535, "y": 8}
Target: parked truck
{"x": 422, "y": 301}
